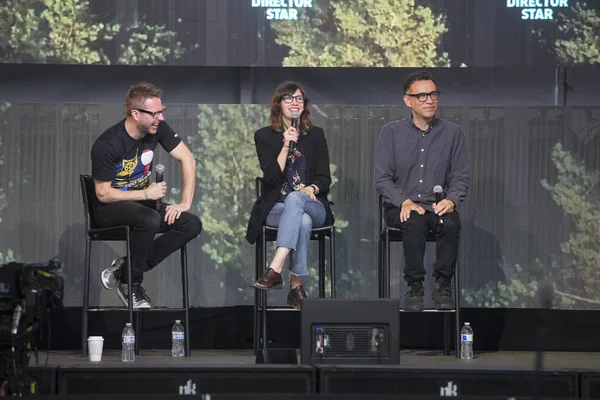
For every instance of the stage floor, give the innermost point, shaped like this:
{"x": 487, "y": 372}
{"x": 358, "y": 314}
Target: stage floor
{"x": 423, "y": 359}
{"x": 420, "y": 372}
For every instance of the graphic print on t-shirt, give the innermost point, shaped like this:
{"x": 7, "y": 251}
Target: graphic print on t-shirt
{"x": 135, "y": 172}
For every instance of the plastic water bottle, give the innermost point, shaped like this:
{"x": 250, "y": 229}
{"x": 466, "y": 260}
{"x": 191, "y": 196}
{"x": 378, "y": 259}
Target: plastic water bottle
{"x": 178, "y": 337}
{"x": 466, "y": 342}
{"x": 128, "y": 342}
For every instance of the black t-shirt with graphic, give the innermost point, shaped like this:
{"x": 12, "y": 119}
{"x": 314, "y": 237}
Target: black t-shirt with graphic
{"x": 126, "y": 162}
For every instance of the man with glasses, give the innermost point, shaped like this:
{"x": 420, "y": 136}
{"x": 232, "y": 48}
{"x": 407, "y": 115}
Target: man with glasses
{"x": 412, "y": 157}
{"x": 122, "y": 167}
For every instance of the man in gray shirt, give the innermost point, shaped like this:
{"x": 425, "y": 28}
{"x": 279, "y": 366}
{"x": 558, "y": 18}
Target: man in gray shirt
{"x": 412, "y": 156}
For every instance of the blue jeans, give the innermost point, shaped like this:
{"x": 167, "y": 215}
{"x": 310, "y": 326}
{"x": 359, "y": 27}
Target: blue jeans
{"x": 295, "y": 218}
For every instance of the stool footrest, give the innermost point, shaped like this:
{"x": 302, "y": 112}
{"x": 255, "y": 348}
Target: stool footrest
{"x": 153, "y": 309}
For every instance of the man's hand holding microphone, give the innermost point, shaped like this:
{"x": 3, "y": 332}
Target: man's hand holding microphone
{"x": 158, "y": 190}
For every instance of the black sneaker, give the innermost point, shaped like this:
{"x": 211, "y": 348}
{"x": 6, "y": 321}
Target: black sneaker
{"x": 145, "y": 294}
{"x": 111, "y": 276}
{"x": 442, "y": 295}
{"x": 140, "y": 300}
{"x": 414, "y": 298}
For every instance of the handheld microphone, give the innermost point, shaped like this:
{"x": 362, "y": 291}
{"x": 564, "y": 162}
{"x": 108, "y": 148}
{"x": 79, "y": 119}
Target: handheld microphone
{"x": 438, "y": 192}
{"x": 160, "y": 169}
{"x": 294, "y": 125}
{"x": 16, "y": 318}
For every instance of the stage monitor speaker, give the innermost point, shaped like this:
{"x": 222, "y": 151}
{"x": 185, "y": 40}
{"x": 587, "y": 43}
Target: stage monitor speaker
{"x": 350, "y": 331}
{"x": 590, "y": 385}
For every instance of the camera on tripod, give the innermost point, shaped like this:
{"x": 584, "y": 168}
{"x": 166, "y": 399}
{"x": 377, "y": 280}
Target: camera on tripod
{"x": 27, "y": 292}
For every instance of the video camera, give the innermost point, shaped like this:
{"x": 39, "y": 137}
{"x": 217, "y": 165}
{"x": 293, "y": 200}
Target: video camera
{"x": 27, "y": 292}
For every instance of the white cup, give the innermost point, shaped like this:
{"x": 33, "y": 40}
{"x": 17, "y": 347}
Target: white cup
{"x": 95, "y": 344}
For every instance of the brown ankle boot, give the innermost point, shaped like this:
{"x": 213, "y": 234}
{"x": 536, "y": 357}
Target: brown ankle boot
{"x": 295, "y": 296}
{"x": 270, "y": 280}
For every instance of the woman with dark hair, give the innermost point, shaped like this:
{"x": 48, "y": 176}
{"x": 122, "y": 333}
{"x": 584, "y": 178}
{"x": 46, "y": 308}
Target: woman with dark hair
{"x": 295, "y": 165}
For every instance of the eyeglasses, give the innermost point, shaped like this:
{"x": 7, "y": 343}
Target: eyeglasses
{"x": 422, "y": 97}
{"x": 154, "y": 114}
{"x": 289, "y": 98}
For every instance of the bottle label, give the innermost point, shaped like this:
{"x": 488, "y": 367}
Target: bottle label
{"x": 466, "y": 337}
{"x": 129, "y": 339}
{"x": 178, "y": 336}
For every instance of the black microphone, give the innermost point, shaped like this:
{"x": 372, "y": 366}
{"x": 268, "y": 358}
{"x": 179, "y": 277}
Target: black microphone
{"x": 294, "y": 125}
{"x": 160, "y": 169}
{"x": 438, "y": 192}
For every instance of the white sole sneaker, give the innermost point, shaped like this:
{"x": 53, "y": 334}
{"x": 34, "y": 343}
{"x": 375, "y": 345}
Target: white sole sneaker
{"x": 108, "y": 278}
{"x": 139, "y": 302}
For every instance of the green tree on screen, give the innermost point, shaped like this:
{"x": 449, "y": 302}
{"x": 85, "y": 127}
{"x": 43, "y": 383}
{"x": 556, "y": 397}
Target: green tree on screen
{"x": 363, "y": 33}
{"x": 6, "y": 255}
{"x": 65, "y": 31}
{"x": 575, "y": 272}
{"x": 576, "y": 39}
{"x": 576, "y": 191}
{"x": 226, "y": 169}
{"x": 149, "y": 44}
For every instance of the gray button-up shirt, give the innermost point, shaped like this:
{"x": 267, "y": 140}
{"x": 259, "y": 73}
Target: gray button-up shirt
{"x": 410, "y": 162}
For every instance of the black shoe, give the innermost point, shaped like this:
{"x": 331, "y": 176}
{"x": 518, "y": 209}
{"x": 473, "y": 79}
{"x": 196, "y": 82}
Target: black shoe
{"x": 112, "y": 275}
{"x": 145, "y": 294}
{"x": 442, "y": 295}
{"x": 414, "y": 298}
{"x": 138, "y": 293}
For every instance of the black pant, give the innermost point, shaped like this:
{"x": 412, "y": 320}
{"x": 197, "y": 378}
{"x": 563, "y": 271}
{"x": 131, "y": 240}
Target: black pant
{"x": 414, "y": 234}
{"x": 146, "y": 221}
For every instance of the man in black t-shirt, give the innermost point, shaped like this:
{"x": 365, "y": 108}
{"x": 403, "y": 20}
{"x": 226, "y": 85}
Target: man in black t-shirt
{"x": 121, "y": 167}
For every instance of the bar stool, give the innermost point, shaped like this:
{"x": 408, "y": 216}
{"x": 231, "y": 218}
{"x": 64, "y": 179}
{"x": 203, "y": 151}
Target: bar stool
{"x": 388, "y": 235}
{"x": 269, "y": 234}
{"x": 120, "y": 233}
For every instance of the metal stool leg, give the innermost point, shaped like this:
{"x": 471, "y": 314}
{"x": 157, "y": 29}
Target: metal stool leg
{"x": 263, "y": 293}
{"x": 129, "y": 291}
{"x": 257, "y": 264}
{"x": 380, "y": 268}
{"x": 86, "y": 296}
{"x": 138, "y": 332}
{"x": 447, "y": 325}
{"x": 457, "y": 309}
{"x": 186, "y": 299}
{"x": 321, "y": 266}
{"x": 332, "y": 261}
{"x": 386, "y": 266}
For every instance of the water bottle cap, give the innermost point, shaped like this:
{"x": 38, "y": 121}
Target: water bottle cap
{"x": 177, "y": 321}
{"x": 128, "y": 324}
{"x": 467, "y": 323}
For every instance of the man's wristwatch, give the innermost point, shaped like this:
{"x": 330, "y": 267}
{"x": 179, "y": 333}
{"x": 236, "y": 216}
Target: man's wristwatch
{"x": 145, "y": 194}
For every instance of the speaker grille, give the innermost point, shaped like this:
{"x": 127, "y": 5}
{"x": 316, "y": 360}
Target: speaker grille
{"x": 350, "y": 341}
